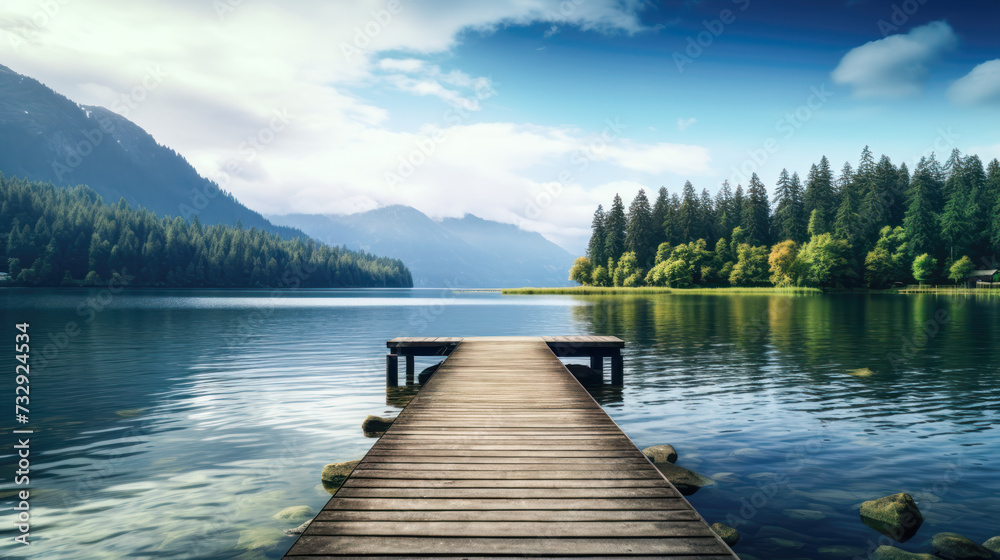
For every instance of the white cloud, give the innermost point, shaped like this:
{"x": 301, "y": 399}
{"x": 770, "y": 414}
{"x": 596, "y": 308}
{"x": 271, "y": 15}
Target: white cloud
{"x": 898, "y": 65}
{"x": 408, "y": 65}
{"x": 225, "y": 78}
{"x": 981, "y": 86}
{"x": 551, "y": 31}
{"x": 684, "y": 124}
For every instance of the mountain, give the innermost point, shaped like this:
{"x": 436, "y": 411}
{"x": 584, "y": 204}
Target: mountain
{"x": 46, "y": 137}
{"x": 467, "y": 252}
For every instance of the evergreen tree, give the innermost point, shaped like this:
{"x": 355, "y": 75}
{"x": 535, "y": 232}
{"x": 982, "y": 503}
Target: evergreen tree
{"x": 640, "y": 233}
{"x": 614, "y": 234}
{"x": 739, "y": 202}
{"x": 595, "y": 249}
{"x": 687, "y": 217}
{"x": 757, "y": 213}
{"x": 819, "y": 191}
{"x": 706, "y": 216}
{"x": 724, "y": 209}
{"x": 661, "y": 211}
{"x": 921, "y": 221}
{"x": 789, "y": 214}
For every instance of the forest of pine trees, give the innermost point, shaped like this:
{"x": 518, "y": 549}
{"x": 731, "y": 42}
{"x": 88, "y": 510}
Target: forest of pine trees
{"x": 870, "y": 226}
{"x": 70, "y": 236}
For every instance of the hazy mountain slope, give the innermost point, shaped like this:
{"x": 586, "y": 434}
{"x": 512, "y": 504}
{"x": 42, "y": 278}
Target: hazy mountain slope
{"x": 458, "y": 253}
{"x": 46, "y": 137}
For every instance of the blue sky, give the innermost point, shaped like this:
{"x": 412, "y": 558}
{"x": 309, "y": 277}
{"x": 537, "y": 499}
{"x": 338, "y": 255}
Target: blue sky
{"x": 529, "y": 112}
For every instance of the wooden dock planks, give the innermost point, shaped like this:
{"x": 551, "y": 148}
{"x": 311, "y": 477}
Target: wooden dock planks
{"x": 503, "y": 453}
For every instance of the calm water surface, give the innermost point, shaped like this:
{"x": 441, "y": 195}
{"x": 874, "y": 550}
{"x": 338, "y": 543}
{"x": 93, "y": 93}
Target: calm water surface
{"x": 176, "y": 424}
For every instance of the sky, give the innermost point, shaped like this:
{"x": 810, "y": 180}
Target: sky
{"x": 529, "y": 112}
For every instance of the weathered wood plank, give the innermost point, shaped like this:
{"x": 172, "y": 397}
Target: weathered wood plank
{"x": 503, "y": 452}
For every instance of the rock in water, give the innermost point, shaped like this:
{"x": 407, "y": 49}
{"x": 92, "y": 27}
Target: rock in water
{"x": 298, "y": 530}
{"x": 895, "y": 516}
{"x": 686, "y": 482}
{"x": 295, "y": 513}
{"x": 661, "y": 453}
{"x": 376, "y": 425}
{"x": 993, "y": 544}
{"x": 253, "y": 539}
{"x": 892, "y": 553}
{"x": 335, "y": 474}
{"x": 729, "y": 535}
{"x": 861, "y": 372}
{"x": 953, "y": 546}
{"x": 426, "y": 374}
{"x": 587, "y": 376}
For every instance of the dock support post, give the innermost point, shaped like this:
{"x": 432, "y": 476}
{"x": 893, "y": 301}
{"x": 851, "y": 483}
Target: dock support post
{"x": 409, "y": 370}
{"x": 391, "y": 370}
{"x": 617, "y": 370}
{"x": 597, "y": 364}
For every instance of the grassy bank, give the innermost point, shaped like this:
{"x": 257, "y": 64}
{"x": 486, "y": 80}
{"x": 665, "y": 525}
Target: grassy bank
{"x": 599, "y": 291}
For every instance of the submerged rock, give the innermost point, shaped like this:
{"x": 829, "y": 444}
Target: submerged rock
{"x": 804, "y": 514}
{"x": 728, "y": 535}
{"x": 294, "y": 513}
{"x": 861, "y": 372}
{"x": 376, "y": 425}
{"x": 426, "y": 374}
{"x": 661, "y": 453}
{"x": 892, "y": 553}
{"x": 335, "y": 474}
{"x": 841, "y": 550}
{"x": 298, "y": 530}
{"x": 895, "y": 516}
{"x": 749, "y": 454}
{"x": 727, "y": 477}
{"x": 993, "y": 544}
{"x": 687, "y": 482}
{"x": 953, "y": 546}
{"x": 262, "y": 537}
{"x": 586, "y": 375}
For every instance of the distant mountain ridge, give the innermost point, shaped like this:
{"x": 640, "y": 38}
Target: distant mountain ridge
{"x": 467, "y": 252}
{"x": 47, "y": 137}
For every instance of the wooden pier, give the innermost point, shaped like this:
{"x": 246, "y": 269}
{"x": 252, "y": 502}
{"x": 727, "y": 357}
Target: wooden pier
{"x": 504, "y": 453}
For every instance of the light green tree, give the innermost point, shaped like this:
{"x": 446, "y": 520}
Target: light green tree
{"x": 582, "y": 271}
{"x": 961, "y": 269}
{"x": 923, "y": 267}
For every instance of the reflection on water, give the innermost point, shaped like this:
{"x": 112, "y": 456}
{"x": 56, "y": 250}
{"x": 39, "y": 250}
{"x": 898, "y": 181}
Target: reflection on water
{"x": 176, "y": 424}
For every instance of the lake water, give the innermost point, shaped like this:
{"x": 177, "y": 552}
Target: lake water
{"x": 175, "y": 424}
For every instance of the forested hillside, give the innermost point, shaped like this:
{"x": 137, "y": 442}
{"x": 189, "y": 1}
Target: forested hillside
{"x": 67, "y": 236}
{"x": 866, "y": 227}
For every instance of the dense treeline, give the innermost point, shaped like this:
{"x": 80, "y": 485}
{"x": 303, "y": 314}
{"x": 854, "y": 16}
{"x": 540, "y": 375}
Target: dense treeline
{"x": 69, "y": 236}
{"x": 872, "y": 226}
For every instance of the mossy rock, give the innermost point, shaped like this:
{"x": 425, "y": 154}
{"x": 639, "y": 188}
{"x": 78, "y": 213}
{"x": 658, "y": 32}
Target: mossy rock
{"x": 728, "y": 535}
{"x": 687, "y": 482}
{"x": 861, "y": 372}
{"x": 953, "y": 546}
{"x": 993, "y": 544}
{"x": 298, "y": 530}
{"x": 376, "y": 425}
{"x": 664, "y": 453}
{"x": 335, "y": 474}
{"x": 261, "y": 537}
{"x": 892, "y": 553}
{"x": 895, "y": 516}
{"x": 295, "y": 513}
